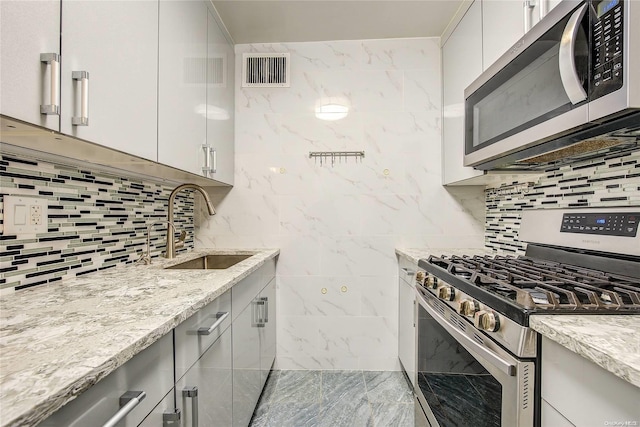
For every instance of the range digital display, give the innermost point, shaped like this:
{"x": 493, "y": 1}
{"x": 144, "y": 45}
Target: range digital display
{"x": 605, "y": 224}
{"x": 606, "y": 6}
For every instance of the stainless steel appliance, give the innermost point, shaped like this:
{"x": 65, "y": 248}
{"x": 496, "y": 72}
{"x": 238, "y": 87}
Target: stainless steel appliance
{"x": 476, "y": 358}
{"x": 569, "y": 89}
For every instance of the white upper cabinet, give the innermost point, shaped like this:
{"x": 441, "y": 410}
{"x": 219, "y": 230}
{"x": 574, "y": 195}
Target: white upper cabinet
{"x": 182, "y": 93}
{"x": 27, "y": 30}
{"x": 461, "y": 64}
{"x": 115, "y": 45}
{"x": 502, "y": 26}
{"x": 220, "y": 102}
{"x": 504, "y": 22}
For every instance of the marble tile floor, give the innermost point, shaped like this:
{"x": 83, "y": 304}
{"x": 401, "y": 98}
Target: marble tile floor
{"x": 334, "y": 399}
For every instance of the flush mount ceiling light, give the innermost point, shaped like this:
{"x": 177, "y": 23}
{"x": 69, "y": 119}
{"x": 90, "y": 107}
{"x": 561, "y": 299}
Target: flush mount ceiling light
{"x": 332, "y": 112}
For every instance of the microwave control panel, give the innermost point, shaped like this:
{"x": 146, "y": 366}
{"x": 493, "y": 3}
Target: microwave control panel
{"x": 607, "y": 41}
{"x": 606, "y": 224}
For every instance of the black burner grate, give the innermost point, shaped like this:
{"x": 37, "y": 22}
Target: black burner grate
{"x": 539, "y": 284}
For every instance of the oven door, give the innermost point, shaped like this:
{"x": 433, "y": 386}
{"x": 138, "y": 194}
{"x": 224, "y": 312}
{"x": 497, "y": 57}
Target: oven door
{"x": 537, "y": 90}
{"x": 464, "y": 378}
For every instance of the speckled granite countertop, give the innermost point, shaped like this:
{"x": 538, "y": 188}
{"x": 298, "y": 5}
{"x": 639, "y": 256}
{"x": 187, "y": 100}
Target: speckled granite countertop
{"x": 612, "y": 342}
{"x": 414, "y": 254}
{"x": 58, "y": 340}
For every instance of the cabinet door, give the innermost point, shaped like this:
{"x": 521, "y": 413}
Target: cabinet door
{"x": 157, "y": 416}
{"x": 150, "y": 371}
{"x": 461, "y": 63}
{"x": 211, "y": 376}
{"x": 407, "y": 330}
{"x": 268, "y": 331}
{"x": 220, "y": 101}
{"x": 28, "y": 29}
{"x": 116, "y": 42}
{"x": 246, "y": 364}
{"x": 182, "y": 108}
{"x": 502, "y": 26}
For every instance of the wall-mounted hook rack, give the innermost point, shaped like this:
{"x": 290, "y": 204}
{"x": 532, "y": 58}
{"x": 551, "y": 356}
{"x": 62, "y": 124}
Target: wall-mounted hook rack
{"x": 336, "y": 156}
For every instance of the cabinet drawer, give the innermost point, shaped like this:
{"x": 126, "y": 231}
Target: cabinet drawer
{"x": 150, "y": 371}
{"x": 245, "y": 291}
{"x": 407, "y": 271}
{"x": 196, "y": 334}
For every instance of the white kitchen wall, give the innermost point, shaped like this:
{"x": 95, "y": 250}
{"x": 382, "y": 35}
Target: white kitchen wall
{"x": 337, "y": 225}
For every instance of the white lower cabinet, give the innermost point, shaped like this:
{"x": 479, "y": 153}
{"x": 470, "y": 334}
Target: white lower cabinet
{"x": 204, "y": 393}
{"x": 577, "y": 392}
{"x": 208, "y": 372}
{"x": 151, "y": 372}
{"x": 406, "y": 319}
{"x": 203, "y": 366}
{"x": 254, "y": 340}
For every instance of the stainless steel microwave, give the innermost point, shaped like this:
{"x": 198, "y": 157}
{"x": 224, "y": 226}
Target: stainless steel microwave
{"x": 568, "y": 90}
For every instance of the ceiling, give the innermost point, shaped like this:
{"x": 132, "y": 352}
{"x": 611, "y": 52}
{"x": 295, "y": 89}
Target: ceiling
{"x": 265, "y": 21}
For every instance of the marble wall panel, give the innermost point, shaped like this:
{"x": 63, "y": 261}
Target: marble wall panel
{"x": 338, "y": 225}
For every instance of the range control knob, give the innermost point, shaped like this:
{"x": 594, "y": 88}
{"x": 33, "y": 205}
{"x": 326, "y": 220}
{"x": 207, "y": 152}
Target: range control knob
{"x": 447, "y": 293}
{"x": 468, "y": 307}
{"x": 420, "y": 277}
{"x": 431, "y": 282}
{"x": 487, "y": 321}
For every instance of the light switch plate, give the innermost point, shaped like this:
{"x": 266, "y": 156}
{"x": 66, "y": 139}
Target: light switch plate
{"x": 24, "y": 215}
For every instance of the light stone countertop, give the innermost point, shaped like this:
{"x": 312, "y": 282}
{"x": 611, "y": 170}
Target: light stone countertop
{"x": 58, "y": 340}
{"x": 612, "y": 342}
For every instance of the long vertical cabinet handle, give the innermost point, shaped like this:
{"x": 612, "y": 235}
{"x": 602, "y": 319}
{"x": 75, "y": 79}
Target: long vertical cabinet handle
{"x": 543, "y": 8}
{"x": 265, "y": 310}
{"x": 128, "y": 401}
{"x": 258, "y": 310}
{"x": 83, "y": 119}
{"x": 53, "y": 107}
{"x": 192, "y": 393}
{"x": 528, "y": 5}
{"x": 214, "y": 154}
{"x": 206, "y": 169}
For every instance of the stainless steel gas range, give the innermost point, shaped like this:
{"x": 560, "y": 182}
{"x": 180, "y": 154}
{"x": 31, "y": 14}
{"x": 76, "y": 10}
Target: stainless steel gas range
{"x": 477, "y": 360}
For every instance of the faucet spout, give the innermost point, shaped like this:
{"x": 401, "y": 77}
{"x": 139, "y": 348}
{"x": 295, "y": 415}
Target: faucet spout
{"x": 171, "y": 248}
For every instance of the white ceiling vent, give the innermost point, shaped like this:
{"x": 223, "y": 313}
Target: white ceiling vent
{"x": 265, "y": 70}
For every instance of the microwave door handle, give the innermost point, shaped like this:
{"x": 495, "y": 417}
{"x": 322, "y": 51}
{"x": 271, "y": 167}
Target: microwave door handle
{"x": 566, "y": 58}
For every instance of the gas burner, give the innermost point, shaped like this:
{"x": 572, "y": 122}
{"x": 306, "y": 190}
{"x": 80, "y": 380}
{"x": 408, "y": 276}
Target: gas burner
{"x": 544, "y": 285}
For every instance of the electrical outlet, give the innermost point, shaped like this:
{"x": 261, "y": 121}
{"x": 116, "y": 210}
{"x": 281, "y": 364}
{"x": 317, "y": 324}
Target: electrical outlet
{"x": 36, "y": 214}
{"x": 24, "y": 215}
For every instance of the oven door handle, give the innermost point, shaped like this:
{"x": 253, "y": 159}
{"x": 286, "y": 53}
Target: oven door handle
{"x": 505, "y": 366}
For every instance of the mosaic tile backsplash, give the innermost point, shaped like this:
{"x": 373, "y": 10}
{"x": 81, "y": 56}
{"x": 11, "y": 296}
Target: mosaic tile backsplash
{"x": 609, "y": 181}
{"x": 96, "y": 221}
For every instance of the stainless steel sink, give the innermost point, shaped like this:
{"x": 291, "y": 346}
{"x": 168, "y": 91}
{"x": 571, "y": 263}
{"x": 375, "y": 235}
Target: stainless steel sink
{"x": 211, "y": 262}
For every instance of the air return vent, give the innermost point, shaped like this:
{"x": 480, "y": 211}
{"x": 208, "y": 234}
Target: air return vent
{"x": 265, "y": 70}
{"x": 210, "y": 71}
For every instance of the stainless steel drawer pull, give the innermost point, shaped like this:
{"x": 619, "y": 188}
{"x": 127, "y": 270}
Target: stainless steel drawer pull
{"x": 83, "y": 119}
{"x": 53, "y": 107}
{"x": 220, "y": 316}
{"x": 265, "y": 310}
{"x": 408, "y": 272}
{"x": 171, "y": 419}
{"x": 192, "y": 393}
{"x": 128, "y": 401}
